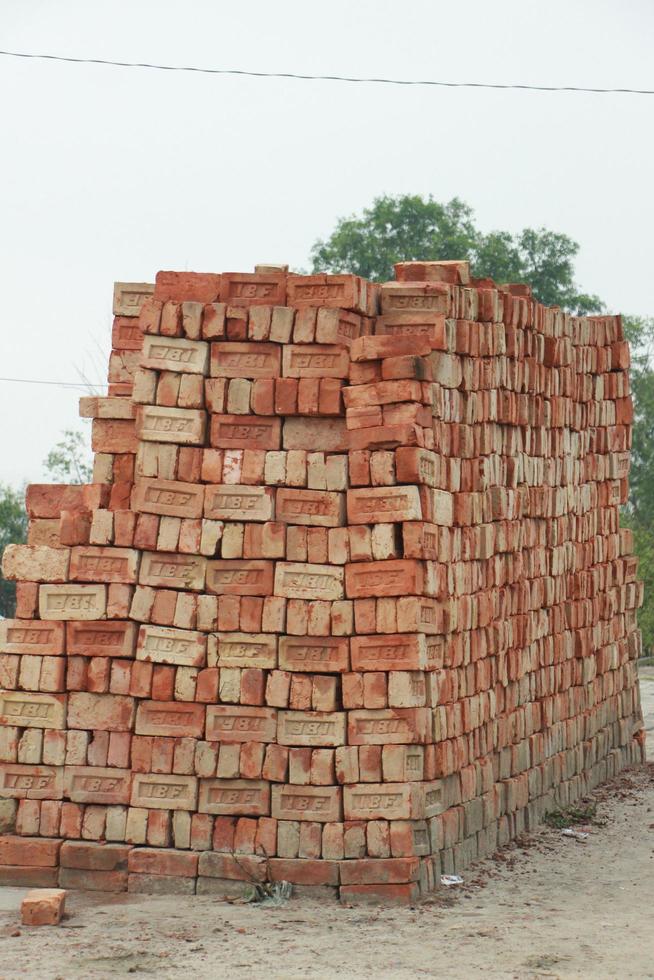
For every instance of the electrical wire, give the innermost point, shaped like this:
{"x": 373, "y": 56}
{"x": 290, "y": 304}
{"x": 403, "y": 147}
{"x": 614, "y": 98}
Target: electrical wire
{"x": 59, "y": 384}
{"x": 328, "y": 78}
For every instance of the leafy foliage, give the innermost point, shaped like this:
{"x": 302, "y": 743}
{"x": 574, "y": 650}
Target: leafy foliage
{"x": 396, "y": 229}
{"x": 639, "y": 512}
{"x": 411, "y": 227}
{"x": 13, "y": 530}
{"x": 68, "y": 461}
{"x": 568, "y": 816}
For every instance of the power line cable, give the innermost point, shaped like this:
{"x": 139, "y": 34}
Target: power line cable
{"x": 328, "y": 78}
{"x": 59, "y": 384}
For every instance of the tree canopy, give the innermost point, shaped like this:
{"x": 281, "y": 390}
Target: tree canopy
{"x": 411, "y": 227}
{"x": 13, "y": 530}
{"x": 68, "y": 462}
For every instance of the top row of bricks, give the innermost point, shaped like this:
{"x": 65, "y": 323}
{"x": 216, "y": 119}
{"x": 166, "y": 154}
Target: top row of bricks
{"x": 275, "y": 286}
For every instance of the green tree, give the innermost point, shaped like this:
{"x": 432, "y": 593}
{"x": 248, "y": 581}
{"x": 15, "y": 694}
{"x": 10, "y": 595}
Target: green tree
{"x": 410, "y": 227}
{"x": 640, "y": 334}
{"x": 396, "y": 229}
{"x": 13, "y": 530}
{"x": 68, "y": 462}
{"x": 638, "y": 514}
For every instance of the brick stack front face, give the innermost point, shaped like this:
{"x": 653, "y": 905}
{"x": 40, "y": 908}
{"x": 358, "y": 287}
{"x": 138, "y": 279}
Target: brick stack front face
{"x": 347, "y": 602}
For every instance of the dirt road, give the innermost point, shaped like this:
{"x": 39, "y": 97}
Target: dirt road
{"x": 553, "y": 908}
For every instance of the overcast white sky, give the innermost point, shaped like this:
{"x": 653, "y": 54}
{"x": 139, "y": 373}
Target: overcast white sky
{"x": 109, "y": 173}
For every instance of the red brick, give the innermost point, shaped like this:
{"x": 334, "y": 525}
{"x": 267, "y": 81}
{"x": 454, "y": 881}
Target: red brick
{"x": 316, "y": 435}
{"x": 304, "y": 872}
{"x": 104, "y": 638}
{"x": 370, "y": 871}
{"x": 376, "y": 348}
{"x": 246, "y": 360}
{"x": 401, "y": 651}
{"x": 155, "y": 861}
{"x": 48, "y": 500}
{"x": 386, "y": 437}
{"x": 383, "y": 801}
{"x": 236, "y": 577}
{"x": 389, "y": 726}
{"x": 43, "y": 907}
{"x": 245, "y": 432}
{"x": 29, "y": 852}
{"x": 235, "y": 796}
{"x": 168, "y": 497}
{"x": 380, "y": 894}
{"x": 250, "y": 289}
{"x": 170, "y": 718}
{"x": 91, "y": 856}
{"x": 338, "y": 291}
{"x": 322, "y": 508}
{"x": 315, "y": 361}
{"x": 31, "y": 636}
{"x": 90, "y": 564}
{"x": 244, "y": 867}
{"x": 397, "y": 577}
{"x": 314, "y": 653}
{"x": 107, "y": 712}
{"x": 321, "y": 804}
{"x": 95, "y": 784}
{"x": 181, "y": 287}
{"x": 93, "y": 881}
{"x": 241, "y": 723}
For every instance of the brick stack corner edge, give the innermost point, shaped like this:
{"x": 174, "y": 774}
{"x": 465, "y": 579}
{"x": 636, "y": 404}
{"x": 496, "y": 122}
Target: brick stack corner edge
{"x": 347, "y": 602}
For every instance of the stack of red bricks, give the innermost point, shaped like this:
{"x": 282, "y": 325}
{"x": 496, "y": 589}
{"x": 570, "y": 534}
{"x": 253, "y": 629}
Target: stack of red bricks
{"x": 347, "y": 602}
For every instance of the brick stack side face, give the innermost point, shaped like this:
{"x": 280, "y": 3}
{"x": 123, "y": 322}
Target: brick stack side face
{"x": 347, "y": 602}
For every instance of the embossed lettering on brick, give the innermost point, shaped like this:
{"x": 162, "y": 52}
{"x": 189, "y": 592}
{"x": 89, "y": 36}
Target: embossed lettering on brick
{"x": 396, "y": 577}
{"x": 163, "y": 645}
{"x": 241, "y": 723}
{"x": 175, "y": 354}
{"x": 326, "y": 728}
{"x": 247, "y": 360}
{"x": 322, "y": 508}
{"x": 383, "y": 801}
{"x": 383, "y": 505}
{"x": 315, "y": 361}
{"x": 300, "y": 580}
{"x": 402, "y": 296}
{"x": 232, "y": 502}
{"x": 245, "y": 432}
{"x": 322, "y": 804}
{"x": 25, "y": 782}
{"x": 240, "y": 577}
{"x": 185, "y": 426}
{"x": 168, "y": 497}
{"x": 314, "y": 654}
{"x": 388, "y": 726}
{"x": 130, "y": 296}
{"x": 181, "y": 718}
{"x": 105, "y": 638}
{"x": 242, "y": 650}
{"x": 34, "y": 636}
{"x": 242, "y": 797}
{"x": 95, "y": 784}
{"x": 174, "y": 571}
{"x": 251, "y": 289}
{"x": 157, "y": 791}
{"x": 401, "y": 651}
{"x": 25, "y": 709}
{"x": 91, "y": 564}
{"x": 72, "y": 601}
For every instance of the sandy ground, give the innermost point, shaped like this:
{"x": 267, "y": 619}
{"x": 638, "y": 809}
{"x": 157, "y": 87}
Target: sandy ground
{"x": 551, "y": 907}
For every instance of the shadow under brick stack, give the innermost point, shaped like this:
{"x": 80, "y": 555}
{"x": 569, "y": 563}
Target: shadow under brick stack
{"x": 347, "y": 603}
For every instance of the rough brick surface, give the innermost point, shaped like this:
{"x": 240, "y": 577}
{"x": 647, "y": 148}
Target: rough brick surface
{"x": 347, "y": 603}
